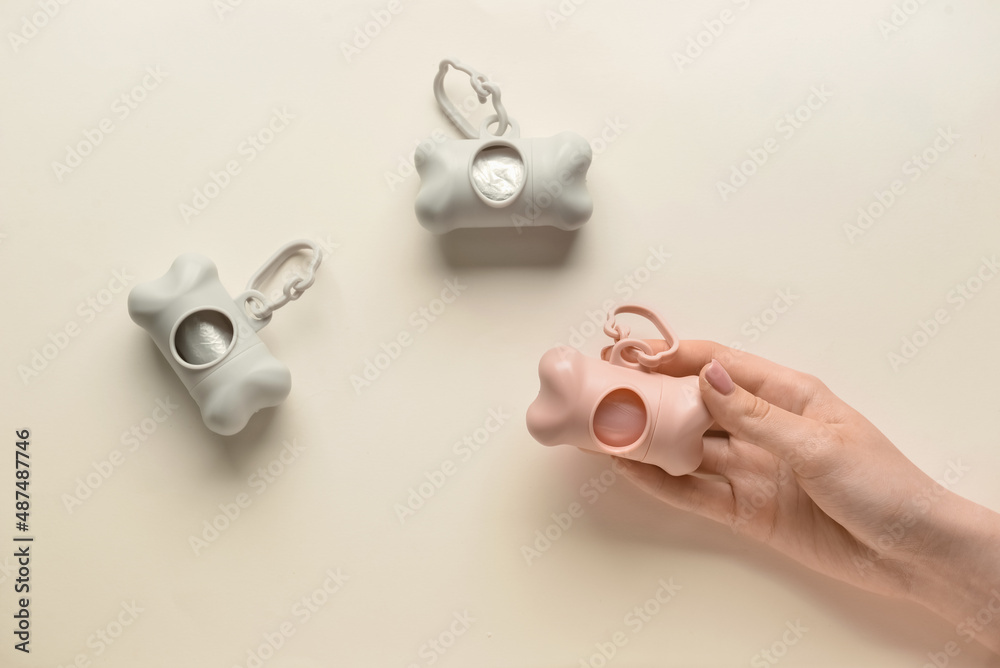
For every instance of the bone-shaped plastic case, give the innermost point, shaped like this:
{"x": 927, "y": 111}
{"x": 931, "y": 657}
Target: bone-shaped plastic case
{"x": 210, "y": 342}
{"x": 573, "y": 387}
{"x": 504, "y": 182}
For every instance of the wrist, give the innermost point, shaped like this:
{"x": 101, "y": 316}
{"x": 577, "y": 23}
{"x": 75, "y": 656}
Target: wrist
{"x": 956, "y": 573}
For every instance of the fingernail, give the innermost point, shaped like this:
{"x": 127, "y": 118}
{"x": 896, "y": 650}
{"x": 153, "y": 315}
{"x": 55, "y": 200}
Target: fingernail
{"x": 719, "y": 379}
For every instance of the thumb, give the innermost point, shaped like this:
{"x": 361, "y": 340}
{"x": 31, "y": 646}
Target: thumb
{"x": 752, "y": 419}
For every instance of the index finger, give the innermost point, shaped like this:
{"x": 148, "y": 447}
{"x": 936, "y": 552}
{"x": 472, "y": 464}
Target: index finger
{"x": 777, "y": 384}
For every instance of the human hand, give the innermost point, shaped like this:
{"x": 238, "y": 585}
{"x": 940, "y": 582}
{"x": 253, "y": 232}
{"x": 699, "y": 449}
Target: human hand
{"x": 808, "y": 475}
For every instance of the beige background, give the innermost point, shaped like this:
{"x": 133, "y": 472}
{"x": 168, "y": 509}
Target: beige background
{"x": 676, "y": 132}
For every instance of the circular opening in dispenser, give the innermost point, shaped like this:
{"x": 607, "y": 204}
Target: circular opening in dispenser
{"x": 202, "y": 337}
{"x": 498, "y": 173}
{"x": 620, "y": 419}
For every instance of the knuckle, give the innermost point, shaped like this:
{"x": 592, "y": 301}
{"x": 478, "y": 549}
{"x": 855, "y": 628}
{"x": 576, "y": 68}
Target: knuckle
{"x": 727, "y": 356}
{"x": 758, "y": 410}
{"x": 755, "y": 414}
{"x": 815, "y": 448}
{"x": 813, "y": 385}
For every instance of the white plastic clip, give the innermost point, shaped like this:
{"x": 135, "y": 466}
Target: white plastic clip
{"x": 484, "y": 88}
{"x": 260, "y": 307}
